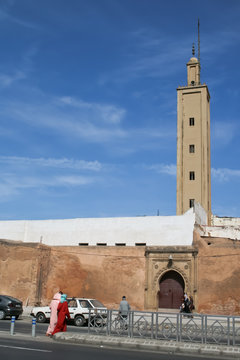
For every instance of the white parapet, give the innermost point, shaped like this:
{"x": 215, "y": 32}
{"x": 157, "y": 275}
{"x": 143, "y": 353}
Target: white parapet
{"x": 225, "y": 221}
{"x": 229, "y": 232}
{"x": 222, "y": 227}
{"x": 129, "y": 231}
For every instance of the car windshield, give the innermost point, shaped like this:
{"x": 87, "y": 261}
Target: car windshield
{"x": 97, "y": 303}
{"x": 10, "y": 298}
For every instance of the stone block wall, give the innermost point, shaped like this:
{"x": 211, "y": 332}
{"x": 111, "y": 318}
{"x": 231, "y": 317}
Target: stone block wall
{"x": 33, "y": 273}
{"x": 218, "y": 275}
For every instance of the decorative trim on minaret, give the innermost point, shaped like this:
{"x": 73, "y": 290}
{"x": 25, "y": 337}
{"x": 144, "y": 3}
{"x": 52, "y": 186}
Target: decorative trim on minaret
{"x": 193, "y": 49}
{"x": 193, "y": 70}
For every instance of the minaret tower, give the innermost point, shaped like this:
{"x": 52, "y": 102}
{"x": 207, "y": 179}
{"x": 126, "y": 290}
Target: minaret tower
{"x": 193, "y": 141}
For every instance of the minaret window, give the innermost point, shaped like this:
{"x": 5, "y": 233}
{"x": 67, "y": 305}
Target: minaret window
{"x": 192, "y": 148}
{"x": 192, "y": 175}
{"x": 191, "y": 121}
{"x": 191, "y": 203}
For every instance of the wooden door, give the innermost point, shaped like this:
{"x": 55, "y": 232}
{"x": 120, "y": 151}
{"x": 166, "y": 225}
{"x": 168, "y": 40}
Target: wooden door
{"x": 171, "y": 290}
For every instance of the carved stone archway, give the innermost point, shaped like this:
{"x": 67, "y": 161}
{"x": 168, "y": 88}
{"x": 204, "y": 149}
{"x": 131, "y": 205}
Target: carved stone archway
{"x": 160, "y": 260}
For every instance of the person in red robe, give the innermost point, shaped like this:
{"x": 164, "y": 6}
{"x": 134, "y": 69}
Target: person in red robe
{"x": 63, "y": 314}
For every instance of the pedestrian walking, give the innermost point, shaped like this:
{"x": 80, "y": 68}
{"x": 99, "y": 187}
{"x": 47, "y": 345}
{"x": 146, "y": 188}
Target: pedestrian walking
{"x": 53, "y": 317}
{"x": 63, "y": 315}
{"x": 191, "y": 305}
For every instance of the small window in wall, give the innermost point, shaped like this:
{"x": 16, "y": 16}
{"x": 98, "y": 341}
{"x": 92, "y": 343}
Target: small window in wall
{"x": 191, "y": 203}
{"x": 192, "y": 148}
{"x": 101, "y": 244}
{"x": 191, "y": 121}
{"x": 120, "y": 244}
{"x": 191, "y": 175}
{"x": 140, "y": 244}
{"x": 83, "y": 244}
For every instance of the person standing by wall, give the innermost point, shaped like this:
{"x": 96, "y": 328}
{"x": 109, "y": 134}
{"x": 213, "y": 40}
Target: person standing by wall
{"x": 124, "y": 309}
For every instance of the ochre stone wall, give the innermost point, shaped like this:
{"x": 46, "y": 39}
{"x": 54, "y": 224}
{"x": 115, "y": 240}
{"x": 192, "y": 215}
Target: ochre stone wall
{"x": 33, "y": 273}
{"x": 218, "y": 275}
{"x": 18, "y": 270}
{"x": 105, "y": 273}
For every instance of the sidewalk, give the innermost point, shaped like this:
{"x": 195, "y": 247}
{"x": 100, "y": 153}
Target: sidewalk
{"x": 126, "y": 343}
{"x": 150, "y": 345}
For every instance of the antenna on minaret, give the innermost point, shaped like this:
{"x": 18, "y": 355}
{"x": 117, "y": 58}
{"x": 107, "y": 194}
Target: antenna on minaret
{"x": 199, "y": 44}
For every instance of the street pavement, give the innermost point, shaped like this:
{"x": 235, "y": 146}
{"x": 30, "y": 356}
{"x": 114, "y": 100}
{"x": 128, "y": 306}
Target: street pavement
{"x": 173, "y": 347}
{"x": 124, "y": 343}
{"x": 24, "y": 347}
{"x": 17, "y": 348}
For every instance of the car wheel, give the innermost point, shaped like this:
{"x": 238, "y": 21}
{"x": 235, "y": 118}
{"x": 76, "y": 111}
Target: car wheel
{"x": 40, "y": 317}
{"x": 79, "y": 320}
{"x": 16, "y": 317}
{"x": 2, "y": 315}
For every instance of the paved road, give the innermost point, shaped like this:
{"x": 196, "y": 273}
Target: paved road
{"x": 22, "y": 344}
{"x": 18, "y": 349}
{"x": 24, "y": 326}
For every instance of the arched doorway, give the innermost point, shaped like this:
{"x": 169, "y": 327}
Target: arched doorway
{"x": 171, "y": 290}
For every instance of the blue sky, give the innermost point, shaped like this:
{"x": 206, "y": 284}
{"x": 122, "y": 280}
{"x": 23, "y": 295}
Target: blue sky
{"x": 88, "y": 104}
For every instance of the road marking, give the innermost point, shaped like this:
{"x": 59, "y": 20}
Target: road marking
{"x": 23, "y": 348}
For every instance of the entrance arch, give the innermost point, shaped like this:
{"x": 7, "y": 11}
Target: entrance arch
{"x": 171, "y": 290}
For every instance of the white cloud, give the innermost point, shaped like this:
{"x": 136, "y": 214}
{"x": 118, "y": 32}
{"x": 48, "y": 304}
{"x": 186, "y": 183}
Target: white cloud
{"x": 223, "y": 175}
{"x": 16, "y": 174}
{"x": 89, "y": 121}
{"x": 7, "y": 80}
{"x": 109, "y": 113}
{"x": 224, "y": 132}
{"x": 12, "y": 185}
{"x": 157, "y": 132}
{"x": 151, "y": 55}
{"x": 210, "y": 46}
{"x": 5, "y": 15}
{"x": 72, "y": 180}
{"x": 52, "y": 162}
{"x": 169, "y": 169}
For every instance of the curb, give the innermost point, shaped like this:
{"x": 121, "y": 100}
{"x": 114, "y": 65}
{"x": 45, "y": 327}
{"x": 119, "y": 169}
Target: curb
{"x": 150, "y": 345}
{"x": 126, "y": 343}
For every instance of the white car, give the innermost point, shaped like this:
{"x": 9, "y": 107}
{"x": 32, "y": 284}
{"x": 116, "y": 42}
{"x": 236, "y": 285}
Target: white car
{"x": 78, "y": 309}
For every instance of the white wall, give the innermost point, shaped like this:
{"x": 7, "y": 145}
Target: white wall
{"x": 225, "y": 221}
{"x": 223, "y": 227}
{"x": 152, "y": 230}
{"x": 200, "y": 214}
{"x": 230, "y": 232}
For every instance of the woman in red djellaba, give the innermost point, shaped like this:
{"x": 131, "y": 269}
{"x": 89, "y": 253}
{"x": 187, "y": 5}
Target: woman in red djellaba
{"x": 63, "y": 314}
